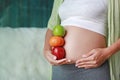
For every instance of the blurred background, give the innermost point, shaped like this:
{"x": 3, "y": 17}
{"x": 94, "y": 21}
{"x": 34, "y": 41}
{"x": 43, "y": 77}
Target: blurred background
{"x": 22, "y": 32}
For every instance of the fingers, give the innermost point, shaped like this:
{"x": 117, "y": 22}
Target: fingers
{"x": 60, "y": 62}
{"x": 87, "y": 59}
{"x": 89, "y": 64}
{"x": 52, "y": 59}
{"x": 88, "y": 54}
{"x": 50, "y": 56}
{"x": 91, "y": 60}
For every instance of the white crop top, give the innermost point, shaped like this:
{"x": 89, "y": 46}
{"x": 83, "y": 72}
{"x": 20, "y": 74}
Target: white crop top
{"x": 87, "y": 14}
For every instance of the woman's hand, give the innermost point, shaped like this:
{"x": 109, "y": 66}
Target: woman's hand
{"x": 52, "y": 59}
{"x": 47, "y": 52}
{"x": 94, "y": 58}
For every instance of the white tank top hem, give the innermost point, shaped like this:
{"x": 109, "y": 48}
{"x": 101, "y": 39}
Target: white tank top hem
{"x": 87, "y": 14}
{"x": 91, "y": 25}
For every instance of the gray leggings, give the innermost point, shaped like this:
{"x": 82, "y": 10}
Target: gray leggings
{"x": 70, "y": 72}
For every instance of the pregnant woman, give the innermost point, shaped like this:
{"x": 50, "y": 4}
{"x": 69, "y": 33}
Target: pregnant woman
{"x": 85, "y": 22}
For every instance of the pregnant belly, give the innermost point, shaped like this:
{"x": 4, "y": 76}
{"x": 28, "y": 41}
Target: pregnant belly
{"x": 80, "y": 41}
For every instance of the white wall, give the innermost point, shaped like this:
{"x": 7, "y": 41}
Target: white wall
{"x": 21, "y": 54}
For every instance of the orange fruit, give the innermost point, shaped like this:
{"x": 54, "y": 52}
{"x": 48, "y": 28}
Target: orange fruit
{"x": 56, "y": 41}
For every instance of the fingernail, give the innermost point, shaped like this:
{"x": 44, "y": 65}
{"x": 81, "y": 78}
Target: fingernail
{"x": 55, "y": 57}
{"x": 76, "y": 62}
{"x": 79, "y": 67}
{"x": 83, "y": 55}
{"x": 76, "y": 65}
{"x": 69, "y": 60}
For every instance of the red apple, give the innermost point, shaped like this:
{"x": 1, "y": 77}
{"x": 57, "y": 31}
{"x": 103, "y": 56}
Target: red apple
{"x": 59, "y": 52}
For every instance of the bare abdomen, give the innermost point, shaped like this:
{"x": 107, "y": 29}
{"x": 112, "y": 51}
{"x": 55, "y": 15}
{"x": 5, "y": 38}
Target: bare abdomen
{"x": 80, "y": 41}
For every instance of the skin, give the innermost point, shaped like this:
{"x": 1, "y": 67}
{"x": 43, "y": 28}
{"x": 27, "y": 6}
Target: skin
{"x": 93, "y": 58}
{"x": 79, "y": 41}
{"x": 47, "y": 52}
{"x": 97, "y": 56}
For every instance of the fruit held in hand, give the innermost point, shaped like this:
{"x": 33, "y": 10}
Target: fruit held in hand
{"x": 59, "y": 52}
{"x": 56, "y": 41}
{"x": 59, "y": 31}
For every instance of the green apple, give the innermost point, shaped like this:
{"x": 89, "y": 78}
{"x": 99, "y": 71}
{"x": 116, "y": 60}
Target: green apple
{"x": 59, "y": 31}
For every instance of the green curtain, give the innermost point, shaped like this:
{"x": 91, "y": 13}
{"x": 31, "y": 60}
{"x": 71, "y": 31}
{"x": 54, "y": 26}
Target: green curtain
{"x": 114, "y": 35}
{"x": 25, "y": 13}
